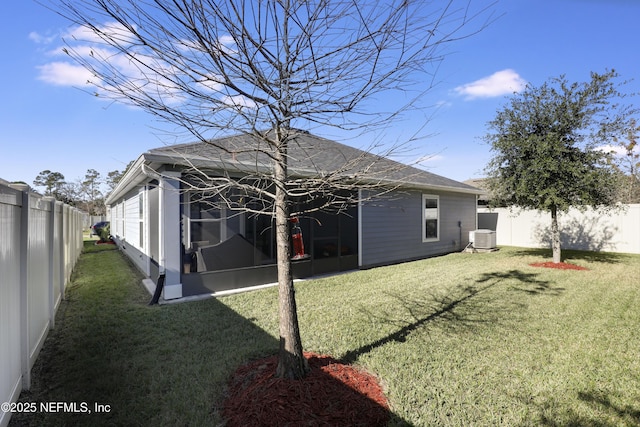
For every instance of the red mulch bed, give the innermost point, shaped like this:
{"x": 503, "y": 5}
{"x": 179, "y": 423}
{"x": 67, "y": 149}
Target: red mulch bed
{"x": 558, "y": 265}
{"x": 332, "y": 394}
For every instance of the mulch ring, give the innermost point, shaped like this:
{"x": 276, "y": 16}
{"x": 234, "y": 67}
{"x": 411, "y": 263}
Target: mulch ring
{"x": 558, "y": 265}
{"x": 108, "y": 242}
{"x": 332, "y": 394}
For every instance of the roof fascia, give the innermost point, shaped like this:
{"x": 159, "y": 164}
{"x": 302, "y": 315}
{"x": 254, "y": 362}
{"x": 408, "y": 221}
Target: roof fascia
{"x": 132, "y": 178}
{"x": 234, "y": 166}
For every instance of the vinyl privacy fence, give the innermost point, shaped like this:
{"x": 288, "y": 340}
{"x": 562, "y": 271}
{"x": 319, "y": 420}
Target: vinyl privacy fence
{"x": 40, "y": 241}
{"x": 591, "y": 230}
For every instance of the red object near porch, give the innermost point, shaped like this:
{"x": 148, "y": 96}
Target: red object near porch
{"x": 298, "y": 243}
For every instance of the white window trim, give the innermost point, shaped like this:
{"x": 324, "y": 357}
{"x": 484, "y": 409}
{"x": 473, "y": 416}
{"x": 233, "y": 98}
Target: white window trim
{"x": 222, "y": 221}
{"x": 142, "y": 210}
{"x": 122, "y": 219}
{"x": 424, "y": 219}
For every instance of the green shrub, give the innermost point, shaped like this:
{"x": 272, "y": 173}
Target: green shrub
{"x": 105, "y": 233}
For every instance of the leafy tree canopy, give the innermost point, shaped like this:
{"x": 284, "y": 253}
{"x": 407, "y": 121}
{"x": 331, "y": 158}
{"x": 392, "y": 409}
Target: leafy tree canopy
{"x": 51, "y": 181}
{"x": 548, "y": 147}
{"x": 626, "y": 153}
{"x": 546, "y": 144}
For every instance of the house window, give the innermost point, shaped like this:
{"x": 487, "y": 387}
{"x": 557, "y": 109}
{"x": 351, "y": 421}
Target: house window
{"x": 430, "y": 218}
{"x": 205, "y": 221}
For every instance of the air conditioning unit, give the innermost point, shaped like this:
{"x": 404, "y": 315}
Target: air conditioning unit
{"x": 483, "y": 239}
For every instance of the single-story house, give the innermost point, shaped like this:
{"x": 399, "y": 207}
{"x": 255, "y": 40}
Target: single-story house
{"x": 481, "y": 184}
{"x": 167, "y": 227}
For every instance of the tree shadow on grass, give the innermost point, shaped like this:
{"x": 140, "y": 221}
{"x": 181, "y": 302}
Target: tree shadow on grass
{"x": 570, "y": 254}
{"x": 422, "y": 312}
{"x": 160, "y": 365}
{"x": 603, "y": 412}
{"x": 528, "y": 283}
{"x": 464, "y": 306}
{"x": 625, "y": 414}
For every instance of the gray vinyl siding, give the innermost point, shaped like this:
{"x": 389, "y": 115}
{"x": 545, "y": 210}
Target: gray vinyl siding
{"x": 391, "y": 227}
{"x": 128, "y": 239}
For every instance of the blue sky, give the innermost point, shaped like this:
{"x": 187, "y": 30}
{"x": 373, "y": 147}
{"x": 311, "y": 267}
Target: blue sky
{"x": 47, "y": 123}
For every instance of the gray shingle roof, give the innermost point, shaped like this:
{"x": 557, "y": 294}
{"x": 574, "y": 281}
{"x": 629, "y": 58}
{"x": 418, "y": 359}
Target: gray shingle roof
{"x": 309, "y": 156}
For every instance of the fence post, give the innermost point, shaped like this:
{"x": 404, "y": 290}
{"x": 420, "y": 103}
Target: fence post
{"x": 51, "y": 255}
{"x": 24, "y": 281}
{"x": 60, "y": 248}
{"x": 66, "y": 252}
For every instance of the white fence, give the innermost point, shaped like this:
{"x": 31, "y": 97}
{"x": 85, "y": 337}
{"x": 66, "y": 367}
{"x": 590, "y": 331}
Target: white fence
{"x": 40, "y": 241}
{"x": 617, "y": 231}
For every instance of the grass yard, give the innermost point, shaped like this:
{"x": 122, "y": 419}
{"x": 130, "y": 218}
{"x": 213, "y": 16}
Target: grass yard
{"x": 458, "y": 340}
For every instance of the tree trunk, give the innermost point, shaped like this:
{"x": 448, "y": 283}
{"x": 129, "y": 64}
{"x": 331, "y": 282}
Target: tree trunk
{"x": 291, "y": 361}
{"x": 555, "y": 236}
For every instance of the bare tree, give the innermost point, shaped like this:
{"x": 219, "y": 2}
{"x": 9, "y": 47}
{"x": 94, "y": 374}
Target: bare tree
{"x": 71, "y": 194}
{"x": 264, "y": 68}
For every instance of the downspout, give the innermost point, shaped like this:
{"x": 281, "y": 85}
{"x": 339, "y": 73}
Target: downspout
{"x": 359, "y": 228}
{"x": 150, "y": 173}
{"x": 158, "y": 291}
{"x": 161, "y": 236}
{"x": 476, "y": 208}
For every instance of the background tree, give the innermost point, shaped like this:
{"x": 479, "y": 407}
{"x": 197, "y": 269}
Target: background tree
{"x": 51, "y": 181}
{"x": 264, "y": 68}
{"x": 90, "y": 187}
{"x": 546, "y": 144}
{"x": 114, "y": 177}
{"x": 71, "y": 194}
{"x": 627, "y": 160}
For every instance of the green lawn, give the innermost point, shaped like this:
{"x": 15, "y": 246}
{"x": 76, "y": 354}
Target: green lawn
{"x": 459, "y": 340}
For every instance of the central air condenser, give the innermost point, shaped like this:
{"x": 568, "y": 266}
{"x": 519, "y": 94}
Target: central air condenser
{"x": 483, "y": 239}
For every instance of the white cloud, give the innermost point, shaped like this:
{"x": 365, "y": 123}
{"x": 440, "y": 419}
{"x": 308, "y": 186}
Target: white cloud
{"x": 211, "y": 85}
{"x": 82, "y": 42}
{"x": 443, "y": 104}
{"x": 224, "y": 44}
{"x": 499, "y": 83}
{"x": 64, "y": 74}
{"x": 428, "y": 159}
{"x": 617, "y": 150}
{"x": 41, "y": 39}
{"x": 80, "y": 35}
{"x": 83, "y": 34}
{"x": 226, "y": 40}
{"x": 138, "y": 70}
{"x": 238, "y": 101}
